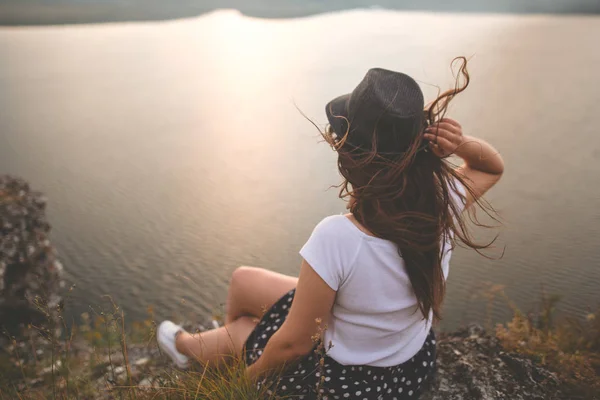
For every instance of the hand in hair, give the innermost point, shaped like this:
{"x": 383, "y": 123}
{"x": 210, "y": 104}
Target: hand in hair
{"x": 483, "y": 165}
{"x": 445, "y": 137}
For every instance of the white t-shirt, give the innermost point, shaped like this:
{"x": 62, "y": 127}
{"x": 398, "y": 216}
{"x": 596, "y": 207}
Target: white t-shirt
{"x": 375, "y": 318}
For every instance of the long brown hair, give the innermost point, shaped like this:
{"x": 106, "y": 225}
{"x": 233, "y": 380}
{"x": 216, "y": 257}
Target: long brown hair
{"x": 409, "y": 197}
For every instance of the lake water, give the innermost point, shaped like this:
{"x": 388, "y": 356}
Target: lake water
{"x": 172, "y": 152}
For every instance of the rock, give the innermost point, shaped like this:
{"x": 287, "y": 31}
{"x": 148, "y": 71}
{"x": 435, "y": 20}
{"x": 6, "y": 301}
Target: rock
{"x": 35, "y": 382}
{"x": 145, "y": 383}
{"x": 99, "y": 370}
{"x": 116, "y": 376}
{"x": 30, "y": 274}
{"x": 472, "y": 365}
{"x": 141, "y": 362}
{"x": 119, "y": 370}
{"x": 48, "y": 370}
{"x": 148, "y": 383}
{"x": 114, "y": 359}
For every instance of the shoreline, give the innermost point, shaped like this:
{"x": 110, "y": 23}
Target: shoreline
{"x": 17, "y": 14}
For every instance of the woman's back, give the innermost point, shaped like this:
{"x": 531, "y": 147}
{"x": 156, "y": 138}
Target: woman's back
{"x": 375, "y": 319}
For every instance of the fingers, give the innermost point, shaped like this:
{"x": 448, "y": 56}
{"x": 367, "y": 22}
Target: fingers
{"x": 443, "y": 143}
{"x": 444, "y": 136}
{"x": 452, "y": 122}
{"x": 434, "y": 136}
{"x": 445, "y": 126}
{"x": 436, "y": 149}
{"x": 440, "y": 145}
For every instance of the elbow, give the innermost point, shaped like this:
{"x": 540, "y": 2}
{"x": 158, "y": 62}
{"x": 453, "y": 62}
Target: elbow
{"x": 294, "y": 347}
{"x": 494, "y": 171}
{"x": 298, "y": 348}
{"x": 292, "y": 343}
{"x": 303, "y": 349}
{"x": 499, "y": 167}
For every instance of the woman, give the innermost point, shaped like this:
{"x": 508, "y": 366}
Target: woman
{"x": 372, "y": 281}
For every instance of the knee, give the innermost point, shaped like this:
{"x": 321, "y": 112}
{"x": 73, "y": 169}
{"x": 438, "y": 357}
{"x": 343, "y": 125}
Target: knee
{"x": 242, "y": 276}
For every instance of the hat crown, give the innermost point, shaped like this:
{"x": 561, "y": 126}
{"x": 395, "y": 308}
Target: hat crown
{"x": 386, "y": 103}
{"x": 385, "y": 93}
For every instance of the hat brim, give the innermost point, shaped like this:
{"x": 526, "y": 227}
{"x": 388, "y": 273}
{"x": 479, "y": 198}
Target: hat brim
{"x": 337, "y": 114}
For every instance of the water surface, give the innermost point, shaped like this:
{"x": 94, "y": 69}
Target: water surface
{"x": 172, "y": 152}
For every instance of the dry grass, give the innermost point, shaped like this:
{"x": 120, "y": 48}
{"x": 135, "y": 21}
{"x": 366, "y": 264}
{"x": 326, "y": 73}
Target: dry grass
{"x": 569, "y": 346}
{"x": 223, "y": 384}
{"x": 210, "y": 384}
{"x": 83, "y": 363}
{"x": 92, "y": 361}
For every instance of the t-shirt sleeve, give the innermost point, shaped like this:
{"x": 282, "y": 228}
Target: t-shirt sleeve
{"x": 328, "y": 250}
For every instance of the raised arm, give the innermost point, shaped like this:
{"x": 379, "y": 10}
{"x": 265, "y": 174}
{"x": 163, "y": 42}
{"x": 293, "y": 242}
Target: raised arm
{"x": 483, "y": 166}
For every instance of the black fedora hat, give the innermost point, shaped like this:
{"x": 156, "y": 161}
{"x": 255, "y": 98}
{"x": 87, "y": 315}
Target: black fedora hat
{"x": 388, "y": 102}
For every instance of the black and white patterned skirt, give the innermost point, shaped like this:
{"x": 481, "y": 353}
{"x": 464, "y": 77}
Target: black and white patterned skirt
{"x": 316, "y": 373}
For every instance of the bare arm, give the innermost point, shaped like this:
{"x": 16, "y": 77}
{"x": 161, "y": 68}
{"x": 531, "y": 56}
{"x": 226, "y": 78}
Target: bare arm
{"x": 313, "y": 301}
{"x": 483, "y": 166}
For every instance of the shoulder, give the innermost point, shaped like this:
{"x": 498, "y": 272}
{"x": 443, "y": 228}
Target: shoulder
{"x": 335, "y": 229}
{"x": 332, "y": 223}
{"x": 331, "y": 249}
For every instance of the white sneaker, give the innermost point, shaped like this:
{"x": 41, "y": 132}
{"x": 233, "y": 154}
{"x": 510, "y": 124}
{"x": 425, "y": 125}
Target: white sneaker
{"x": 165, "y": 336}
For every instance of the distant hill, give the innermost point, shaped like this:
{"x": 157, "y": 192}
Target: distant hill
{"x": 38, "y": 12}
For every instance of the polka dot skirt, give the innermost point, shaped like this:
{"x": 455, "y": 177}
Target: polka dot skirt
{"x": 336, "y": 381}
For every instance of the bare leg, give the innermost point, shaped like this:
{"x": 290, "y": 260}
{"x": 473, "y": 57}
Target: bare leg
{"x": 253, "y": 290}
{"x": 217, "y": 346}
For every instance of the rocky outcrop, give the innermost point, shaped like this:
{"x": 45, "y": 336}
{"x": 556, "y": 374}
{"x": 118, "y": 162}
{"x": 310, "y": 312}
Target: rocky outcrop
{"x": 473, "y": 366}
{"x": 30, "y": 273}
